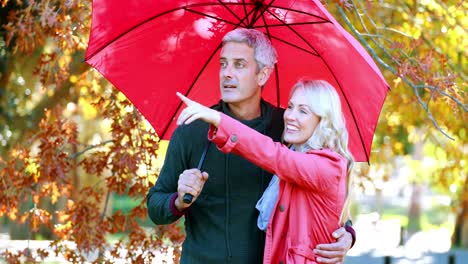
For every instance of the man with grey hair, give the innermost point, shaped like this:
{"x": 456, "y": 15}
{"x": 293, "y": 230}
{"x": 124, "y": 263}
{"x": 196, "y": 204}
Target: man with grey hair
{"x": 220, "y": 221}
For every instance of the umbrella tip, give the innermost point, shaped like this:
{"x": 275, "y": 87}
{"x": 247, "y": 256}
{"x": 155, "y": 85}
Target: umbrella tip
{"x": 258, "y": 3}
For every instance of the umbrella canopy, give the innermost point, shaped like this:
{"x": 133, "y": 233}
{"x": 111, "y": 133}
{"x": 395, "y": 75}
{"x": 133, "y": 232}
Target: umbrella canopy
{"x": 151, "y": 49}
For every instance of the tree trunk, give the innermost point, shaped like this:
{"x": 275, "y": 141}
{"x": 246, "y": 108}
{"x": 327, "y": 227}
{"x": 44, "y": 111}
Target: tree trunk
{"x": 414, "y": 212}
{"x": 379, "y": 201}
{"x": 460, "y": 233}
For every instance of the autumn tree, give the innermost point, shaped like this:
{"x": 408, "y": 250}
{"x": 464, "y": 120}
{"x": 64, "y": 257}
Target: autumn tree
{"x": 422, "y": 48}
{"x": 69, "y": 140}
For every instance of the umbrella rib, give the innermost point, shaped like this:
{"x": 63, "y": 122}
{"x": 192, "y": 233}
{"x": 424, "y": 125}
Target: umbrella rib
{"x": 276, "y": 65}
{"x": 147, "y": 20}
{"x": 293, "y": 24}
{"x": 336, "y": 79}
{"x": 255, "y": 17}
{"x": 245, "y": 12}
{"x": 301, "y": 12}
{"x": 252, "y": 22}
{"x": 294, "y": 45}
{"x": 241, "y": 21}
{"x": 195, "y": 80}
{"x": 161, "y": 14}
{"x": 210, "y": 16}
{"x": 191, "y": 87}
{"x": 230, "y": 10}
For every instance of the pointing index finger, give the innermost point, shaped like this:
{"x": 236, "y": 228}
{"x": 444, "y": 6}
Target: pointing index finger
{"x": 184, "y": 98}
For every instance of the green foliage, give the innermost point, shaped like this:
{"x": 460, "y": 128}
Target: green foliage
{"x": 125, "y": 204}
{"x": 437, "y": 216}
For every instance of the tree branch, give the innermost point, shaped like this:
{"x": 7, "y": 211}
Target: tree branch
{"x": 395, "y": 72}
{"x": 30, "y": 122}
{"x": 435, "y": 89}
{"x": 77, "y": 154}
{"x": 361, "y": 21}
{"x": 363, "y": 41}
{"x": 437, "y": 49}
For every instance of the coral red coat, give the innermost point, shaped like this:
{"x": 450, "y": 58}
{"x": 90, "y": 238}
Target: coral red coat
{"x": 311, "y": 196}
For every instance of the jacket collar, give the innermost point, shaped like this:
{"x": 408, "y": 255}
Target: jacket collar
{"x": 266, "y": 109}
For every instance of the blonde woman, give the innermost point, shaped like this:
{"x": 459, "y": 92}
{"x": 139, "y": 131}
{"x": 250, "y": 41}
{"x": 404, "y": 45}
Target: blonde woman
{"x": 306, "y": 199}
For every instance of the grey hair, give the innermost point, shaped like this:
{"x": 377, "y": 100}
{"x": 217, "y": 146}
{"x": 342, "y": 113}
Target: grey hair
{"x": 331, "y": 131}
{"x": 265, "y": 54}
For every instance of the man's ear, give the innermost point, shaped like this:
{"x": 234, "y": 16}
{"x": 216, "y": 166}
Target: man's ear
{"x": 263, "y": 75}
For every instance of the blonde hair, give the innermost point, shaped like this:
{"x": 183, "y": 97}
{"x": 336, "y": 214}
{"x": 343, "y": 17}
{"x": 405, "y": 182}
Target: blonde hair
{"x": 331, "y": 131}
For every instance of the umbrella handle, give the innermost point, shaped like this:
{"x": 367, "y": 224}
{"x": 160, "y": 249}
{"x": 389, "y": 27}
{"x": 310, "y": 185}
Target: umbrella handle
{"x": 188, "y": 197}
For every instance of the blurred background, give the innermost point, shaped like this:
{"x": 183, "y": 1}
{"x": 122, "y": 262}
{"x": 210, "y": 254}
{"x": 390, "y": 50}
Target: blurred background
{"x": 76, "y": 158}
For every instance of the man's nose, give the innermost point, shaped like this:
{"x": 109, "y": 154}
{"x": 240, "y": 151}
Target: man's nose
{"x": 227, "y": 72}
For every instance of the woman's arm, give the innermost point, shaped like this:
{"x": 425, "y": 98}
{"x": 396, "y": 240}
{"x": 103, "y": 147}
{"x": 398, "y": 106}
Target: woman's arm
{"x": 306, "y": 170}
{"x": 317, "y": 170}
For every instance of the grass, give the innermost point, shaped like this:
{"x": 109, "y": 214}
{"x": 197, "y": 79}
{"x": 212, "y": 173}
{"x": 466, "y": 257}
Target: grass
{"x": 438, "y": 216}
{"x": 434, "y": 218}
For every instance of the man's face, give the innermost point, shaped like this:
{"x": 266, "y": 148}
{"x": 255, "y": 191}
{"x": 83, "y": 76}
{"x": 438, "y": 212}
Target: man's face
{"x": 239, "y": 80}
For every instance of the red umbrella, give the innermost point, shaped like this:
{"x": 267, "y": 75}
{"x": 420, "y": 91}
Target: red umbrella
{"x": 151, "y": 49}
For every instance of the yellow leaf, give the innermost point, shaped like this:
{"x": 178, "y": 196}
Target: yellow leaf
{"x": 73, "y": 79}
{"x": 89, "y": 111}
{"x": 50, "y": 92}
{"x": 398, "y": 146}
{"x": 121, "y": 97}
{"x": 394, "y": 120}
{"x": 54, "y": 194}
{"x": 161, "y": 153}
{"x": 13, "y": 213}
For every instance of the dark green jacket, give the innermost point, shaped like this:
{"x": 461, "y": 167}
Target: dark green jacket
{"x": 221, "y": 224}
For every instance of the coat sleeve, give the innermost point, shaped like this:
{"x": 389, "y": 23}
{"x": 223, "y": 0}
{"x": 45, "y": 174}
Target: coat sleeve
{"x": 161, "y": 195}
{"x": 316, "y": 170}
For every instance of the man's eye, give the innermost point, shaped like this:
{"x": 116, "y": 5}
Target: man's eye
{"x": 223, "y": 64}
{"x": 239, "y": 65}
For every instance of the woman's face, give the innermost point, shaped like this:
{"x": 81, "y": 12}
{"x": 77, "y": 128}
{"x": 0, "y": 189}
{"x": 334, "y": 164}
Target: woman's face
{"x": 299, "y": 120}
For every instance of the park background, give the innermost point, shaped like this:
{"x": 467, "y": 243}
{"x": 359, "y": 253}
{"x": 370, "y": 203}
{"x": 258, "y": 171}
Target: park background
{"x": 76, "y": 158}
